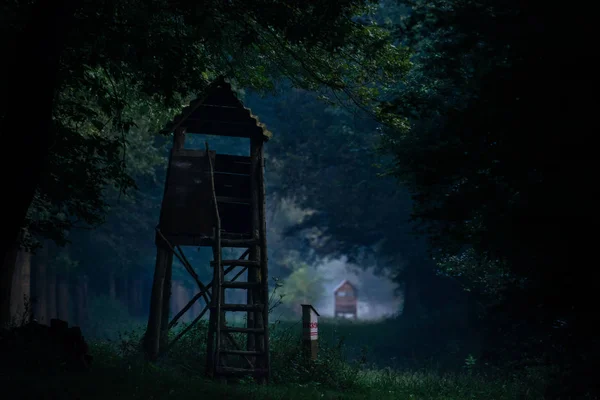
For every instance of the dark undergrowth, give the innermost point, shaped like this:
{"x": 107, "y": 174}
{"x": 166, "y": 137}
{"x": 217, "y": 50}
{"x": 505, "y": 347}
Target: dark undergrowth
{"x": 119, "y": 371}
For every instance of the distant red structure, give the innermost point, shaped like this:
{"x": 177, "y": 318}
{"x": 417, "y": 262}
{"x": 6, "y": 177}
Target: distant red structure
{"x": 345, "y": 299}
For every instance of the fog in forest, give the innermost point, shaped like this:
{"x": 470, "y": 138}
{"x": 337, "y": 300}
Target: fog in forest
{"x": 379, "y": 297}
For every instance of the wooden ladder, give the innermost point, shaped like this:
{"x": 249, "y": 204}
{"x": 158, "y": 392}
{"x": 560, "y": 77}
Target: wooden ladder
{"x": 256, "y": 354}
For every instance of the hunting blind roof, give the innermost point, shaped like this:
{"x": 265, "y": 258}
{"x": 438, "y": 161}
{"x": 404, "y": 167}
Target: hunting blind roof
{"x": 344, "y": 283}
{"x": 218, "y": 111}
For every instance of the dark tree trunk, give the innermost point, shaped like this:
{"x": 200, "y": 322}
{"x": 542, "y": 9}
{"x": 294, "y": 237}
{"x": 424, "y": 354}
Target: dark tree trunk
{"x": 83, "y": 304}
{"x": 78, "y": 310}
{"x": 62, "y": 300}
{"x": 32, "y": 65}
{"x": 9, "y": 261}
{"x": 21, "y": 294}
{"x": 137, "y": 294}
{"x": 40, "y": 280}
{"x": 52, "y": 311}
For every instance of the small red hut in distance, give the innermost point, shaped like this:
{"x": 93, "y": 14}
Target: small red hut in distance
{"x": 345, "y": 299}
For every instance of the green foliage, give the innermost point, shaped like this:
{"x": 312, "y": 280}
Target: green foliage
{"x": 305, "y": 285}
{"x": 478, "y": 272}
{"x": 133, "y": 60}
{"x": 322, "y": 159}
{"x": 470, "y": 363}
{"x": 330, "y": 370}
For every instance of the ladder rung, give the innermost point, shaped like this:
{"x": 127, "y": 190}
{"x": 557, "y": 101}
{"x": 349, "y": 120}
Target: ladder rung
{"x": 240, "y": 371}
{"x": 242, "y": 352}
{"x": 241, "y": 307}
{"x": 235, "y": 329}
{"x": 221, "y": 199}
{"x": 238, "y": 263}
{"x": 238, "y": 242}
{"x": 240, "y": 285}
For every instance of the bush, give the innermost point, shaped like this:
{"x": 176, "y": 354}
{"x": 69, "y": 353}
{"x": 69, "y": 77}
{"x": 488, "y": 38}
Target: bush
{"x": 288, "y": 365}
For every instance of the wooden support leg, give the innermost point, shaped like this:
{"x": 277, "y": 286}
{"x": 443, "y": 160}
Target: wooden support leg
{"x": 164, "y": 257}
{"x": 166, "y": 302}
{"x": 210, "y": 347}
{"x": 250, "y": 315}
{"x": 223, "y": 322}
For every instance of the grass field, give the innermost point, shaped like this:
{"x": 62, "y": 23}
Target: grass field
{"x": 119, "y": 372}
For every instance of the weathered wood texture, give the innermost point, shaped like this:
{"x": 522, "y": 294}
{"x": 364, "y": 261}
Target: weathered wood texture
{"x": 164, "y": 259}
{"x": 215, "y": 200}
{"x": 264, "y": 270}
{"x": 219, "y": 112}
{"x": 166, "y": 300}
{"x": 185, "y": 214}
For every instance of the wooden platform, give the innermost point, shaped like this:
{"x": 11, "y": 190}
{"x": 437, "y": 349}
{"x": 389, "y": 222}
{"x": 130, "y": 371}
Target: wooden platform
{"x": 185, "y": 219}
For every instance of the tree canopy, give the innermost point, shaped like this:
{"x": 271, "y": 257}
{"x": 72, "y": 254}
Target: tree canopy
{"x": 497, "y": 161}
{"x": 120, "y": 55}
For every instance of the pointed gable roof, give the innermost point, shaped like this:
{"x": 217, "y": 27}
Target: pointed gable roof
{"x": 344, "y": 282}
{"x": 218, "y": 111}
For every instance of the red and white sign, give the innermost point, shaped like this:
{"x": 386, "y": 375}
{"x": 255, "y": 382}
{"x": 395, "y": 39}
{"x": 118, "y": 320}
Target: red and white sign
{"x": 310, "y": 323}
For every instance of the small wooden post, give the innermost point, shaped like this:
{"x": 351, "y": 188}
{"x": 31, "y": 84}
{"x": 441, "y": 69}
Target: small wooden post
{"x": 310, "y": 331}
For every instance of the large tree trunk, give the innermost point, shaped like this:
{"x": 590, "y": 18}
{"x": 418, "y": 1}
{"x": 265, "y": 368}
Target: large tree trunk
{"x": 32, "y": 62}
{"x": 51, "y": 295}
{"x": 78, "y": 309}
{"x": 62, "y": 294}
{"x": 7, "y": 273}
{"x": 82, "y": 305}
{"x": 40, "y": 282}
{"x": 21, "y": 293}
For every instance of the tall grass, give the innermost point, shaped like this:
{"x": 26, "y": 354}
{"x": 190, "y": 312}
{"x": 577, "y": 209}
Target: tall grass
{"x": 348, "y": 367}
{"x": 120, "y": 371}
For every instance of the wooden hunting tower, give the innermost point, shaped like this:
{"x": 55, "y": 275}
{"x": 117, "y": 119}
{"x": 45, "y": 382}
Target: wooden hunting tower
{"x": 345, "y": 299}
{"x": 215, "y": 200}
